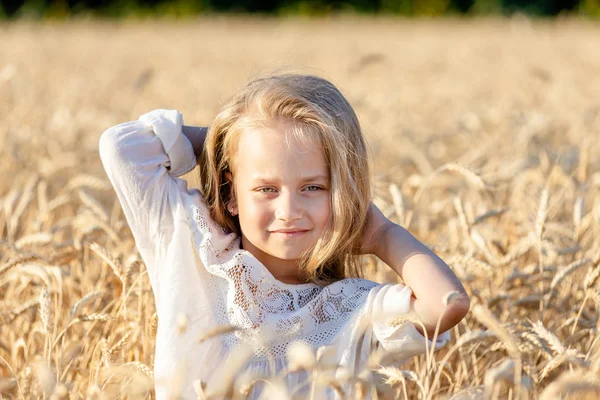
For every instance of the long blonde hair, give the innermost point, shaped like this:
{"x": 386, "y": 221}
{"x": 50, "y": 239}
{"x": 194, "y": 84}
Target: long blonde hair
{"x": 319, "y": 111}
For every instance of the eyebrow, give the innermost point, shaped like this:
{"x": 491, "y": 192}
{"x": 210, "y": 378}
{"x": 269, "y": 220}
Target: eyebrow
{"x": 303, "y": 179}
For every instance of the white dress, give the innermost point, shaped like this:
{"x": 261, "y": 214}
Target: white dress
{"x": 197, "y": 270}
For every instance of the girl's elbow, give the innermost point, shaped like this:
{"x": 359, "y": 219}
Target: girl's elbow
{"x": 107, "y": 143}
{"x": 459, "y": 308}
{"x": 453, "y": 314}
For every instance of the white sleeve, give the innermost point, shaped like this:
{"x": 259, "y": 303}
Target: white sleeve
{"x": 143, "y": 159}
{"x": 404, "y": 340}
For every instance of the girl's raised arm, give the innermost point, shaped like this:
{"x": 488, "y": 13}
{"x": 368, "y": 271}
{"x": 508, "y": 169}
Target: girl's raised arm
{"x": 142, "y": 159}
{"x": 429, "y": 278}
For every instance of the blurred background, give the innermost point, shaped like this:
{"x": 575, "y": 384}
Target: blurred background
{"x": 483, "y": 122}
{"x": 180, "y": 8}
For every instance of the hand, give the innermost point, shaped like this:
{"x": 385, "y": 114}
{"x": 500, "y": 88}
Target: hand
{"x": 377, "y": 223}
{"x": 196, "y": 135}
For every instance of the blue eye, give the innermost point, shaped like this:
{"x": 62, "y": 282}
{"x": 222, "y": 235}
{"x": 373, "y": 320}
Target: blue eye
{"x": 314, "y": 187}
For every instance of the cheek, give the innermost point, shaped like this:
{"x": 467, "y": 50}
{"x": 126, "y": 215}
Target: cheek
{"x": 253, "y": 214}
{"x": 321, "y": 211}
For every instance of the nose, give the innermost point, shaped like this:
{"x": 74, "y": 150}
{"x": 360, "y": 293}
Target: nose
{"x": 289, "y": 207}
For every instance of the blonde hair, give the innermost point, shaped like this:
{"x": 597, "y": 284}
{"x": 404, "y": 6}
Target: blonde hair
{"x": 318, "y": 111}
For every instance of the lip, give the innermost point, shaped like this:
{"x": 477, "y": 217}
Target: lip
{"x": 290, "y": 233}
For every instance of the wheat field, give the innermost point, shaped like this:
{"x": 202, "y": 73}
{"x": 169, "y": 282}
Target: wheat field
{"x": 484, "y": 135}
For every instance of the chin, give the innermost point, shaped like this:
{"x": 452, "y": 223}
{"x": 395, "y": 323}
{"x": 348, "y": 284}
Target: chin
{"x": 286, "y": 253}
{"x": 288, "y": 256}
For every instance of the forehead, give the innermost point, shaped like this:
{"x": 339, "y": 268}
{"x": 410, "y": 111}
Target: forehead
{"x": 279, "y": 152}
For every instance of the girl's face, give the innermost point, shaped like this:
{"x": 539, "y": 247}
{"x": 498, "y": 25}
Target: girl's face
{"x": 282, "y": 195}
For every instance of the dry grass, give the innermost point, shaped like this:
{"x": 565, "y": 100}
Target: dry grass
{"x": 484, "y": 135}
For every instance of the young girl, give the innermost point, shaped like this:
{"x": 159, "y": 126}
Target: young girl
{"x": 271, "y": 244}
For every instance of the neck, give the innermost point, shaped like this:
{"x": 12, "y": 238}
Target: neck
{"x": 285, "y": 271}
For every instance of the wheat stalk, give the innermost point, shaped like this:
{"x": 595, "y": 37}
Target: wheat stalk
{"x": 94, "y": 205}
{"x": 76, "y": 309}
{"x": 34, "y": 238}
{"x": 95, "y": 317}
{"x": 24, "y": 201}
{"x": 217, "y": 331}
{"x": 143, "y": 368}
{"x": 45, "y": 309}
{"x": 119, "y": 345}
{"x": 576, "y": 383}
{"x": 10, "y": 315}
{"x": 564, "y": 272}
{"x": 105, "y": 254}
{"x": 13, "y": 263}
{"x": 554, "y": 342}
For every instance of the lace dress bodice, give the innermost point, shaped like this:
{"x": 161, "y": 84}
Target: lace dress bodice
{"x": 197, "y": 269}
